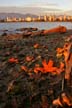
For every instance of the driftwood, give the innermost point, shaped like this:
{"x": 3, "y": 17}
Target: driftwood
{"x": 67, "y": 53}
{"x": 59, "y": 29}
{"x": 63, "y": 100}
{"x": 68, "y": 60}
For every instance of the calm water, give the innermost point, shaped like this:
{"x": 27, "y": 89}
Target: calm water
{"x": 39, "y": 25}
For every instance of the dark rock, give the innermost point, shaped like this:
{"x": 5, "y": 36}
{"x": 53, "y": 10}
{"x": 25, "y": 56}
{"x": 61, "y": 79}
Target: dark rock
{"x": 4, "y": 34}
{"x": 27, "y": 29}
{"x": 26, "y": 34}
{"x": 37, "y": 33}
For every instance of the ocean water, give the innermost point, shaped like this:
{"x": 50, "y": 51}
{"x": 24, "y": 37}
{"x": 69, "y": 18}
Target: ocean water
{"x": 11, "y": 27}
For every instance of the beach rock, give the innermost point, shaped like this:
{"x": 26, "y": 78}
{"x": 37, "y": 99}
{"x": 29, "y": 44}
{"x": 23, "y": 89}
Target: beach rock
{"x": 4, "y": 34}
{"x": 27, "y": 34}
{"x": 37, "y": 33}
{"x": 27, "y": 29}
{"x": 35, "y": 29}
{"x": 13, "y": 36}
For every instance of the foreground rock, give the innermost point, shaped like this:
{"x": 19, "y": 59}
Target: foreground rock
{"x": 20, "y": 86}
{"x": 31, "y": 32}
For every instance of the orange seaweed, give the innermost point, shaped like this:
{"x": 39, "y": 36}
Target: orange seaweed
{"x": 48, "y": 67}
{"x": 28, "y": 58}
{"x": 36, "y": 45}
{"x": 13, "y": 60}
{"x": 24, "y": 68}
{"x": 37, "y": 68}
{"x": 62, "y": 65}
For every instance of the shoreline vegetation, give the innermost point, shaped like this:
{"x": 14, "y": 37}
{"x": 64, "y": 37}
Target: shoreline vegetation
{"x": 33, "y": 68}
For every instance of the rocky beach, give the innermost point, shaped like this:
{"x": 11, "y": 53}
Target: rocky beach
{"x": 31, "y": 73}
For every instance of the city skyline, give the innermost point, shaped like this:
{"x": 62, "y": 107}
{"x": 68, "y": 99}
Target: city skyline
{"x": 36, "y": 6}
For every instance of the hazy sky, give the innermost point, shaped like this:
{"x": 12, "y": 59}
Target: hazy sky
{"x": 43, "y": 4}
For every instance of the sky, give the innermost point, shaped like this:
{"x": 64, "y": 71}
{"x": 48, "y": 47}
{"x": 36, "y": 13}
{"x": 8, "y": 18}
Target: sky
{"x": 40, "y": 5}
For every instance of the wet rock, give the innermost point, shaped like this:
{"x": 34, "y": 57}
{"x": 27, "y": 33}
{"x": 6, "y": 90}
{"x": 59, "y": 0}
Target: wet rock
{"x": 27, "y": 34}
{"x": 38, "y": 33}
{"x": 27, "y": 29}
{"x": 4, "y": 34}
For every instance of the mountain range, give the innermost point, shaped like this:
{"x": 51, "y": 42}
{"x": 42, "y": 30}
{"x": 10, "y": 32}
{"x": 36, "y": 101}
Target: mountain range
{"x": 23, "y": 12}
{"x": 17, "y": 15}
